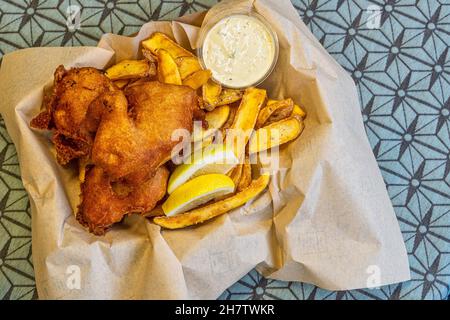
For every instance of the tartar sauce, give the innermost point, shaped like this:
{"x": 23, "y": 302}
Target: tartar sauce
{"x": 239, "y": 50}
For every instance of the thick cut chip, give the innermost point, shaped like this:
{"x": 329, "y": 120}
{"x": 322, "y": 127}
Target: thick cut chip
{"x": 271, "y": 108}
{"x": 228, "y": 96}
{"x": 197, "y": 79}
{"x": 167, "y": 68}
{"x": 245, "y": 119}
{"x": 211, "y": 94}
{"x": 159, "y": 41}
{"x": 236, "y": 173}
{"x": 299, "y": 112}
{"x": 215, "y": 120}
{"x": 121, "y": 83}
{"x": 187, "y": 66}
{"x": 246, "y": 175}
{"x": 129, "y": 69}
{"x": 280, "y": 114}
{"x": 229, "y": 121}
{"x": 214, "y": 209}
{"x": 275, "y": 134}
{"x": 147, "y": 54}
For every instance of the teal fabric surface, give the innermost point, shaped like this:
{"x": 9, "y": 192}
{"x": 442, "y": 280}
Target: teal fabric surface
{"x": 397, "y": 53}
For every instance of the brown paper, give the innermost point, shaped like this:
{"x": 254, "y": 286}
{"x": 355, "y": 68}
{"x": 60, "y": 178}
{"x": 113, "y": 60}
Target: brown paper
{"x": 326, "y": 218}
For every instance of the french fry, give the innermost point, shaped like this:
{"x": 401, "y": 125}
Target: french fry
{"x": 206, "y": 142}
{"x": 228, "y": 96}
{"x": 159, "y": 41}
{"x": 128, "y": 69}
{"x": 236, "y": 173}
{"x": 153, "y": 70}
{"x": 211, "y": 94}
{"x": 197, "y": 79}
{"x": 275, "y": 134}
{"x": 121, "y": 83}
{"x": 217, "y": 117}
{"x": 147, "y": 54}
{"x": 272, "y": 107}
{"x": 229, "y": 121}
{"x": 246, "y": 175}
{"x": 167, "y": 68}
{"x": 298, "y": 111}
{"x": 187, "y": 66}
{"x": 200, "y": 102}
{"x": 279, "y": 115}
{"x": 215, "y": 120}
{"x": 245, "y": 119}
{"x": 215, "y": 209}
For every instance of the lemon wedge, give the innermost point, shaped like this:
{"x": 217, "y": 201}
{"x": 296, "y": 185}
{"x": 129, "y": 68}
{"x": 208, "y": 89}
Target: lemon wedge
{"x": 196, "y": 192}
{"x": 213, "y": 159}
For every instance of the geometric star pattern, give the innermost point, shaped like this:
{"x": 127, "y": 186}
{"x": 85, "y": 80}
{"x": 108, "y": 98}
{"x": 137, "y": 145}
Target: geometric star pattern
{"x": 397, "y": 53}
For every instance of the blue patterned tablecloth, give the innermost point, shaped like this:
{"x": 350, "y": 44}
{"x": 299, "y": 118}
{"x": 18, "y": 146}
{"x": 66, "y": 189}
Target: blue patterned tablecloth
{"x": 397, "y": 53}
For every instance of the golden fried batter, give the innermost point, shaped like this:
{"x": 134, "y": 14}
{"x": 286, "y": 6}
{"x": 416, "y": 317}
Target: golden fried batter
{"x": 70, "y": 110}
{"x": 136, "y": 131}
{"x": 105, "y": 202}
{"x": 122, "y": 137}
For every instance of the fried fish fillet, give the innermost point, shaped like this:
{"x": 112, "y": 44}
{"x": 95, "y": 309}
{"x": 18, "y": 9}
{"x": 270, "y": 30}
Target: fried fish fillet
{"x": 72, "y": 111}
{"x": 105, "y": 202}
{"x": 135, "y": 132}
{"x": 122, "y": 136}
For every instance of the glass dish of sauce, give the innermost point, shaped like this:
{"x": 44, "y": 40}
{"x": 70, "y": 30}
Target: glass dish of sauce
{"x": 240, "y": 49}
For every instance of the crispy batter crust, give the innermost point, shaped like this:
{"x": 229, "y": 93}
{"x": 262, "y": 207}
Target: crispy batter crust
{"x": 136, "y": 133}
{"x": 124, "y": 136}
{"x": 69, "y": 113}
{"x": 105, "y": 202}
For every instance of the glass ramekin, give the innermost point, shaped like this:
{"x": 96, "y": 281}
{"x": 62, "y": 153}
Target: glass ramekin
{"x": 212, "y": 21}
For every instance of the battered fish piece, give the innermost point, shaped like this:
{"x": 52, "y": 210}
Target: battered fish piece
{"x": 135, "y": 132}
{"x": 71, "y": 110}
{"x": 105, "y": 202}
{"x": 121, "y": 138}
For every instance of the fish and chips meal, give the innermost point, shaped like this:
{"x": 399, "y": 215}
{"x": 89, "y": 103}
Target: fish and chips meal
{"x": 163, "y": 136}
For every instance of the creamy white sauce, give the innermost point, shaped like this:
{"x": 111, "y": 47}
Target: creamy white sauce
{"x": 239, "y": 50}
